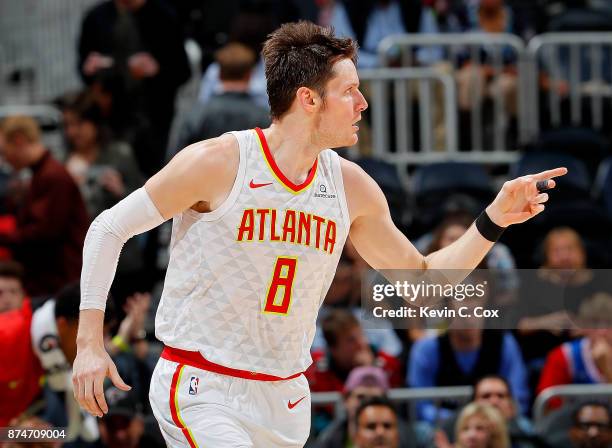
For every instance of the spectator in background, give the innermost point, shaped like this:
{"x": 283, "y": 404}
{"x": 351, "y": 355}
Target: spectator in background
{"x": 361, "y": 384}
{"x": 481, "y": 426}
{"x": 124, "y": 424}
{"x": 369, "y": 22}
{"x": 120, "y": 114}
{"x": 377, "y": 424}
{"x": 345, "y": 293}
{"x": 105, "y": 171}
{"x": 587, "y": 360}
{"x": 499, "y": 259}
{"x": 20, "y": 371}
{"x": 51, "y": 220}
{"x": 364, "y": 383}
{"x": 491, "y": 16}
{"x": 54, "y": 331}
{"x": 125, "y": 35}
{"x": 564, "y": 259}
{"x": 249, "y": 28}
{"x": 12, "y": 293}
{"x": 494, "y": 390}
{"x": 440, "y": 16}
{"x": 347, "y": 348}
{"x": 233, "y": 107}
{"x": 552, "y": 294}
{"x": 460, "y": 357}
{"x": 592, "y": 426}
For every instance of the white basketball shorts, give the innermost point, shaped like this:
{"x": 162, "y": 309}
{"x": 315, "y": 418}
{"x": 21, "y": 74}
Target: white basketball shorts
{"x": 202, "y": 408}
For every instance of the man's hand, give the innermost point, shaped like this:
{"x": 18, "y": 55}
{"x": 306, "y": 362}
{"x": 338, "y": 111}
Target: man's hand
{"x": 112, "y": 181}
{"x": 143, "y": 65}
{"x": 91, "y": 366}
{"x": 136, "y": 309}
{"x": 520, "y": 200}
{"x": 96, "y": 62}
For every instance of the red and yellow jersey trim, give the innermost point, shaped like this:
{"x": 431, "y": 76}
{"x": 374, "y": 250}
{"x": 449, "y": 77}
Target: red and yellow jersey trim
{"x": 278, "y": 174}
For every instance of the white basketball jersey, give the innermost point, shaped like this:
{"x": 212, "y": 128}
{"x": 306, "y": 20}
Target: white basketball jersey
{"x": 245, "y": 281}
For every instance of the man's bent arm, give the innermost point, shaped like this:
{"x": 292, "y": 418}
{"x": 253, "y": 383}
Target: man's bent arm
{"x": 202, "y": 173}
{"x": 383, "y": 246}
{"x": 174, "y": 189}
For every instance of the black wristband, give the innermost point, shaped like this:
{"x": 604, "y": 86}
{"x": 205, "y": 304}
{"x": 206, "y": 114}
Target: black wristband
{"x": 487, "y": 228}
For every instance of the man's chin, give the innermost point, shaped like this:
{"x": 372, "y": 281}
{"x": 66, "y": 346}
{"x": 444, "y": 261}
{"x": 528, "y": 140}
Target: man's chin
{"x": 346, "y": 142}
{"x": 353, "y": 139}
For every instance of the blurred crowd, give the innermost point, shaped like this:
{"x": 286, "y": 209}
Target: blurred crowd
{"x": 122, "y": 127}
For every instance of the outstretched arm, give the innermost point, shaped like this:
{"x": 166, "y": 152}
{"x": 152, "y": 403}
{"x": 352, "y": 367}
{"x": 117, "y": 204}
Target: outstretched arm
{"x": 383, "y": 246}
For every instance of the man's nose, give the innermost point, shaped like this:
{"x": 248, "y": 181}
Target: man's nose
{"x": 363, "y": 104}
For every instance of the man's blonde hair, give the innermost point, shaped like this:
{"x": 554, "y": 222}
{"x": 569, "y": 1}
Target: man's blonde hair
{"x": 18, "y": 124}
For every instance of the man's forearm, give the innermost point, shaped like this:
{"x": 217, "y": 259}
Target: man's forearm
{"x": 131, "y": 216}
{"x": 91, "y": 324}
{"x": 465, "y": 253}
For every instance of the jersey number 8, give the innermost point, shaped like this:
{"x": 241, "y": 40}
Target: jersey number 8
{"x": 278, "y": 297}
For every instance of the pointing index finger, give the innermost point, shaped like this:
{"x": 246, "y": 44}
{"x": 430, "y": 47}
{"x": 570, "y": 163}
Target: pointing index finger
{"x": 548, "y": 174}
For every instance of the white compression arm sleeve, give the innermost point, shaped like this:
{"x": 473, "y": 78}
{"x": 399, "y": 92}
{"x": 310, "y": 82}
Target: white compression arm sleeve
{"x": 106, "y": 236}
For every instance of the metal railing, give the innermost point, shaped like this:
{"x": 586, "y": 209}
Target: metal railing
{"x": 402, "y": 81}
{"x": 580, "y": 61}
{"x": 403, "y": 396}
{"x": 570, "y": 391}
{"x": 39, "y": 39}
{"x": 457, "y": 47}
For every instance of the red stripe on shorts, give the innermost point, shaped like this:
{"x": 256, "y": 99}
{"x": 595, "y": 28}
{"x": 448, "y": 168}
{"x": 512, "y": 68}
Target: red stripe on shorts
{"x": 195, "y": 359}
{"x": 178, "y": 421}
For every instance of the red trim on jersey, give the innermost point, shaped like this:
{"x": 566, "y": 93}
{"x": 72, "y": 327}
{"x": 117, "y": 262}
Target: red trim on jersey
{"x": 195, "y": 359}
{"x": 295, "y": 188}
{"x": 174, "y": 409}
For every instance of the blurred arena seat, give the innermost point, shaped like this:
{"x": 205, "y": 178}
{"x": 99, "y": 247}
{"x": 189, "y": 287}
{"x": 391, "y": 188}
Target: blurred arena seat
{"x": 436, "y": 185}
{"x": 602, "y": 187}
{"x": 576, "y": 184}
{"x": 386, "y": 176}
{"x": 578, "y": 19}
{"x": 588, "y": 145}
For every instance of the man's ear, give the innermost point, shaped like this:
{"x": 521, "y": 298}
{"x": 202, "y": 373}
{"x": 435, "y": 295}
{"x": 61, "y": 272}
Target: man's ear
{"x": 308, "y": 99}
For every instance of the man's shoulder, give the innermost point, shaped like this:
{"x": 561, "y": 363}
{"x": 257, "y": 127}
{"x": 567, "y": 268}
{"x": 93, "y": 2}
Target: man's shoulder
{"x": 210, "y": 149}
{"x": 216, "y": 156}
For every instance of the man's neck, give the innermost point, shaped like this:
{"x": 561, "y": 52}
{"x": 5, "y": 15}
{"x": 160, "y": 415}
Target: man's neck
{"x": 293, "y": 146}
{"x": 235, "y": 86}
{"x": 36, "y": 151}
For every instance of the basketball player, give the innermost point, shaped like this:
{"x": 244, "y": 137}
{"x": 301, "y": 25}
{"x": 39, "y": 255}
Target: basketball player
{"x": 259, "y": 221}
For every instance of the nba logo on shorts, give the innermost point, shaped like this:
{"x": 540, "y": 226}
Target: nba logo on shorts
{"x": 193, "y": 385}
